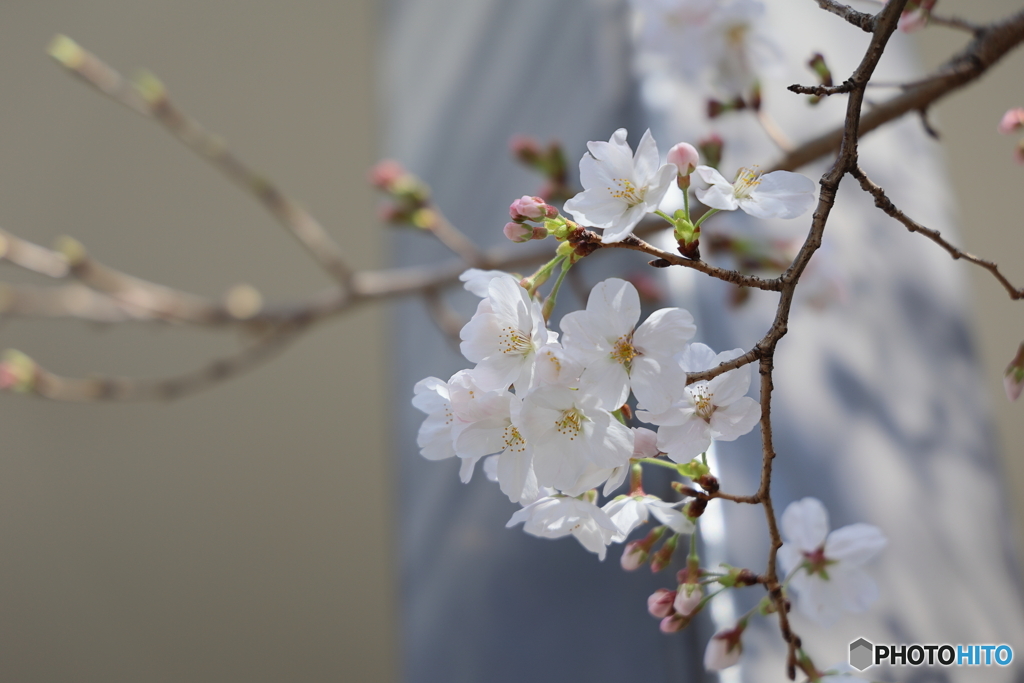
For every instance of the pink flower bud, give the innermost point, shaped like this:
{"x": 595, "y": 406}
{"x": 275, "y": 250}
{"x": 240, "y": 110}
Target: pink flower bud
{"x": 385, "y": 174}
{"x": 517, "y": 232}
{"x": 645, "y": 443}
{"x": 685, "y": 157}
{"x": 525, "y": 149}
{"x": 634, "y": 556}
{"x": 688, "y": 597}
{"x": 528, "y": 208}
{"x": 1012, "y": 120}
{"x": 673, "y": 623}
{"x": 724, "y": 648}
{"x": 659, "y": 604}
{"x": 540, "y": 232}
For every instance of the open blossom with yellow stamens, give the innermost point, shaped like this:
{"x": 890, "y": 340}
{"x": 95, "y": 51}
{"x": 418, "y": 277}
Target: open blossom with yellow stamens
{"x": 620, "y": 188}
{"x": 504, "y": 335}
{"x": 706, "y": 410}
{"x": 618, "y": 355}
{"x": 576, "y": 442}
{"x": 779, "y": 194}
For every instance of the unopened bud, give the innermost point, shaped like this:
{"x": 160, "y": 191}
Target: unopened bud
{"x": 673, "y": 623}
{"x": 695, "y": 508}
{"x": 645, "y": 443}
{"x": 709, "y": 483}
{"x": 688, "y": 597}
{"x": 663, "y": 557}
{"x": 711, "y": 150}
{"x": 724, "y": 648}
{"x": 517, "y": 232}
{"x": 525, "y": 149}
{"x": 818, "y": 65}
{"x": 685, "y": 157}
{"x": 634, "y": 556}
{"x": 559, "y": 227}
{"x": 17, "y": 371}
{"x": 659, "y": 603}
{"x": 385, "y": 174}
{"x": 528, "y": 208}
{"x": 1012, "y": 120}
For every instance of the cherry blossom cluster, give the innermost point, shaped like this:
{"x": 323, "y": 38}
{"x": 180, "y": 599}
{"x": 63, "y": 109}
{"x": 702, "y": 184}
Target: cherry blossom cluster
{"x": 561, "y": 418}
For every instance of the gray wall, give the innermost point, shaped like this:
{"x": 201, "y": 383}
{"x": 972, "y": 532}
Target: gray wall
{"x": 240, "y": 535}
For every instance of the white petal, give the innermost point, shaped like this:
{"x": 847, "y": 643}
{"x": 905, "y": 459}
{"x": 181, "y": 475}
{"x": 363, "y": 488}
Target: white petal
{"x": 685, "y": 442}
{"x": 616, "y": 304}
{"x": 733, "y": 421}
{"x": 720, "y": 193}
{"x": 697, "y": 357}
{"x": 855, "y": 544}
{"x": 646, "y": 161}
{"x": 466, "y": 469}
{"x": 730, "y": 386}
{"x": 608, "y": 381}
{"x": 805, "y": 524}
{"x": 674, "y": 519}
{"x": 858, "y": 589}
{"x": 656, "y": 383}
{"x": 780, "y": 194}
{"x": 665, "y": 332}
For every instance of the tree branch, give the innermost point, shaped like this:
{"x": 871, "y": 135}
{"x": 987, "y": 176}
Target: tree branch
{"x": 885, "y": 204}
{"x": 148, "y": 97}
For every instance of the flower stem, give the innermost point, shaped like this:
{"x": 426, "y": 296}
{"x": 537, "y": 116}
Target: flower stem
{"x": 655, "y": 461}
{"x": 707, "y": 214}
{"x": 549, "y": 303}
{"x": 542, "y": 275}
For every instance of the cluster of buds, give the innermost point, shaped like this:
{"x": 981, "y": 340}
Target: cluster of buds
{"x": 752, "y": 102}
{"x": 1012, "y": 121}
{"x": 524, "y": 210}
{"x": 410, "y": 196}
{"x": 547, "y": 161}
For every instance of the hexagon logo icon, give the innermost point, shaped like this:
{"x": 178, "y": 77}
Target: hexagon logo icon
{"x": 861, "y": 654}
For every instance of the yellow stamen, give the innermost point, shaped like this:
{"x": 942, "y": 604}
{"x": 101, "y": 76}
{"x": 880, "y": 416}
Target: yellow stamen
{"x": 627, "y": 192}
{"x": 746, "y": 180}
{"x": 570, "y": 423}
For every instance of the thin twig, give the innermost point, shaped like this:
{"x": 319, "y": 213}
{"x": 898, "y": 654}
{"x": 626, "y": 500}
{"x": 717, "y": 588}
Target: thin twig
{"x": 118, "y": 389}
{"x": 863, "y": 21}
{"x": 885, "y": 204}
{"x": 148, "y": 97}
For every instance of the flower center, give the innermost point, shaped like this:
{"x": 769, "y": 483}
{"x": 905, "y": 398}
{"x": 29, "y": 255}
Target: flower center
{"x": 511, "y": 340}
{"x": 624, "y": 352}
{"x": 746, "y": 180}
{"x": 816, "y": 562}
{"x": 626, "y": 191}
{"x": 736, "y": 35}
{"x": 570, "y": 423}
{"x": 514, "y": 441}
{"x": 702, "y": 399}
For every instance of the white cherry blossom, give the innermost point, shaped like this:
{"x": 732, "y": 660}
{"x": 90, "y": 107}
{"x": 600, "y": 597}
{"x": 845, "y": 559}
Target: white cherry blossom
{"x": 503, "y": 336}
{"x": 435, "y": 438}
{"x": 617, "y": 356}
{"x": 577, "y": 444}
{"x": 829, "y": 576}
{"x": 557, "y": 516}
{"x": 720, "y": 42}
{"x": 629, "y": 512}
{"x": 620, "y": 188}
{"x": 705, "y": 410}
{"x": 476, "y": 281}
{"x": 779, "y": 194}
{"x": 556, "y": 366}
